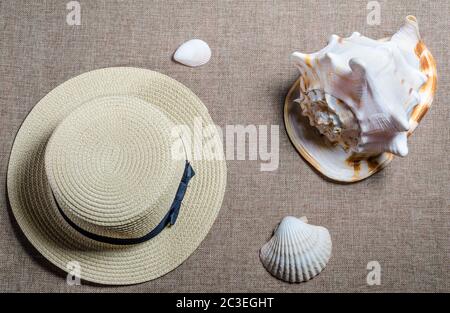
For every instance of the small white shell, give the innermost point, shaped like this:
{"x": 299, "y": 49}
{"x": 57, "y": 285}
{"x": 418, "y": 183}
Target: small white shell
{"x": 194, "y": 52}
{"x": 297, "y": 251}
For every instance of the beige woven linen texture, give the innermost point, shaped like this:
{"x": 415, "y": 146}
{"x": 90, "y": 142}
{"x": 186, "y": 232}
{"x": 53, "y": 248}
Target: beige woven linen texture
{"x": 398, "y": 217}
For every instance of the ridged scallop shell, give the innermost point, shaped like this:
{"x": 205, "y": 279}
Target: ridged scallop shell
{"x": 297, "y": 251}
{"x": 379, "y": 90}
{"x": 194, "y": 52}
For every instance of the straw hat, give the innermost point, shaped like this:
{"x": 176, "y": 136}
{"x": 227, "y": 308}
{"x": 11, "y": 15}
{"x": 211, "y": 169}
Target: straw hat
{"x": 93, "y": 179}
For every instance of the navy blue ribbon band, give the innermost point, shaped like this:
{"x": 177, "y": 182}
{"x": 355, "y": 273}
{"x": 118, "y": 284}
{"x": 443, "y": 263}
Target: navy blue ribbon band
{"x": 169, "y": 219}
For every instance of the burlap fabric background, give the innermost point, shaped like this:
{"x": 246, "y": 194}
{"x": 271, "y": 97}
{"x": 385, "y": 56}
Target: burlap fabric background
{"x": 399, "y": 217}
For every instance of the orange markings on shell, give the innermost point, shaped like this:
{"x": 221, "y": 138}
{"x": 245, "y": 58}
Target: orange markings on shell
{"x": 420, "y": 48}
{"x": 372, "y": 164}
{"x": 428, "y": 67}
{"x": 308, "y": 60}
{"x": 354, "y": 162}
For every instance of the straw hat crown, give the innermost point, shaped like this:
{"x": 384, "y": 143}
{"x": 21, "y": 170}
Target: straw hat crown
{"x": 110, "y": 168}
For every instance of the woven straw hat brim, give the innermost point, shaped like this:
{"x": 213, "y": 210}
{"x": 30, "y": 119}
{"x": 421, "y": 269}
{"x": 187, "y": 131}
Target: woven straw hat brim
{"x": 34, "y": 207}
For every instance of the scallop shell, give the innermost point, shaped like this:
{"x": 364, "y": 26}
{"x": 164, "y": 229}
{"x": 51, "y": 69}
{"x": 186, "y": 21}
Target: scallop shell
{"x": 364, "y": 97}
{"x": 194, "y": 52}
{"x": 297, "y": 251}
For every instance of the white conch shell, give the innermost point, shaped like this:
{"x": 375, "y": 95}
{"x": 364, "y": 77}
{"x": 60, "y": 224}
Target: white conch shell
{"x": 297, "y": 251}
{"x": 360, "y": 92}
{"x": 194, "y": 52}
